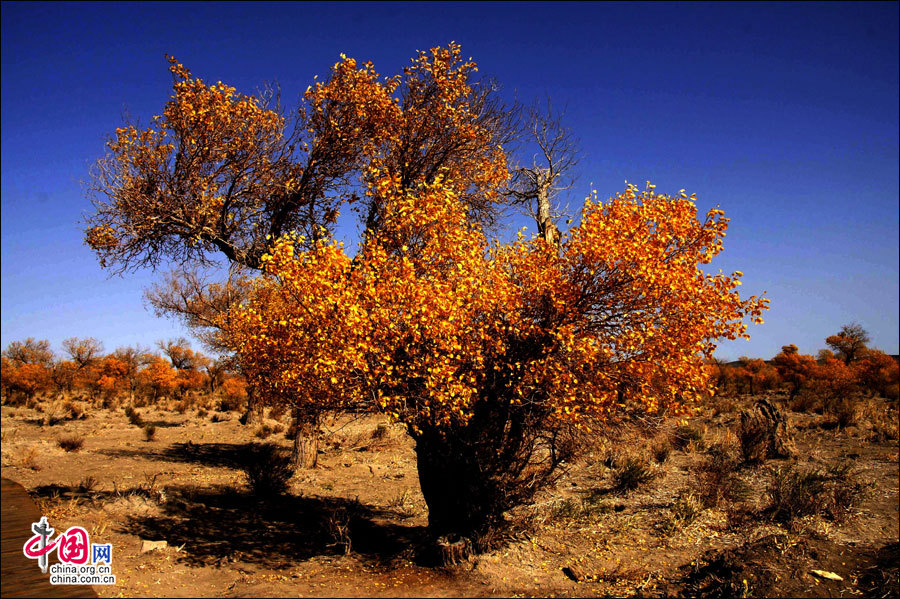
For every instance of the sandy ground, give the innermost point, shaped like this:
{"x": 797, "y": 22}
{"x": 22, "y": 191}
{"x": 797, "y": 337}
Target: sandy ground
{"x": 355, "y": 525}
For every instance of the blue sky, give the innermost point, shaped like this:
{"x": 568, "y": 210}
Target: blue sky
{"x": 786, "y": 115}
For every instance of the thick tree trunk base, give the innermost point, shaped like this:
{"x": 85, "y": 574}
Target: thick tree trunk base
{"x": 305, "y": 453}
{"x": 454, "y": 550}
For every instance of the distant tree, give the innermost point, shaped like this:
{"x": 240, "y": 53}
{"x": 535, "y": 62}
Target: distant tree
{"x": 64, "y": 375}
{"x": 83, "y": 351}
{"x": 876, "y": 371}
{"x": 824, "y": 355}
{"x": 159, "y": 377}
{"x": 849, "y": 343}
{"x": 795, "y": 369}
{"x": 29, "y": 351}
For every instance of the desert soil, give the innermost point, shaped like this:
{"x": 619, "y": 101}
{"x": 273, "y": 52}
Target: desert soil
{"x": 355, "y": 524}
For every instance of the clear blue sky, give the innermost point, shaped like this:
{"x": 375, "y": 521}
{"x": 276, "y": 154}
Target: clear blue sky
{"x": 784, "y": 114}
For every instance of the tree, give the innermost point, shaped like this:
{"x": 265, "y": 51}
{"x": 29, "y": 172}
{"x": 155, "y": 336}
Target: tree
{"x": 159, "y": 377}
{"x": 876, "y": 371}
{"x": 849, "y": 343}
{"x": 617, "y": 315}
{"x": 29, "y": 351}
{"x": 537, "y": 187}
{"x": 83, "y": 351}
{"x": 794, "y": 368}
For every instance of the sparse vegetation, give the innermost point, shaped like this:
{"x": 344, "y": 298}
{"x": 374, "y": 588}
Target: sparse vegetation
{"x": 71, "y": 443}
{"x": 632, "y": 472}
{"x": 268, "y": 469}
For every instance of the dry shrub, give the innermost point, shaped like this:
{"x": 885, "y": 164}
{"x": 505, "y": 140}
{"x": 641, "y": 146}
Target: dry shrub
{"x": 87, "y": 484}
{"x": 268, "y": 469}
{"x": 842, "y": 413}
{"x": 202, "y": 413}
{"x": 30, "y": 459}
{"x": 716, "y": 480}
{"x": 805, "y": 400}
{"x": 134, "y": 417}
{"x": 794, "y": 493}
{"x": 71, "y": 443}
{"x": 337, "y": 526}
{"x": 892, "y": 392}
{"x": 885, "y": 425}
{"x": 661, "y": 450}
{"x": 75, "y": 411}
{"x": 631, "y": 473}
{"x": 686, "y": 508}
{"x": 149, "y": 432}
{"x": 688, "y": 437}
{"x": 264, "y": 431}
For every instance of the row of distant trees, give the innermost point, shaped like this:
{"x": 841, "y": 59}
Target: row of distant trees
{"x": 30, "y": 367}
{"x": 848, "y": 366}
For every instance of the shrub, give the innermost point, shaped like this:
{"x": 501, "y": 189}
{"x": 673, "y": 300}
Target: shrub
{"x": 134, "y": 417}
{"x": 843, "y": 412}
{"x": 631, "y": 473}
{"x": 717, "y": 480}
{"x": 71, "y": 443}
{"x": 264, "y": 431}
{"x": 268, "y": 468}
{"x": 794, "y": 493}
{"x": 87, "y": 484}
{"x": 687, "y": 435}
{"x": 686, "y": 508}
{"x": 149, "y": 432}
{"x": 661, "y": 451}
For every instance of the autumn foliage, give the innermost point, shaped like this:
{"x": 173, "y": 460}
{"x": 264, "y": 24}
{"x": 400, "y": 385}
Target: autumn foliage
{"x": 493, "y": 354}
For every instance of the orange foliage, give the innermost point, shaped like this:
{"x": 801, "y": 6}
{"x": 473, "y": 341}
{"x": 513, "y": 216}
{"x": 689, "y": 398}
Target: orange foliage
{"x": 159, "y": 377}
{"x": 234, "y": 388}
{"x": 30, "y": 379}
{"x": 876, "y": 371}
{"x": 795, "y": 369}
{"x": 411, "y": 327}
{"x": 834, "y": 379}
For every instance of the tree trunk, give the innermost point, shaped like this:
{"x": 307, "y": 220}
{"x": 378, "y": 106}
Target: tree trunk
{"x": 254, "y": 412}
{"x": 305, "y": 453}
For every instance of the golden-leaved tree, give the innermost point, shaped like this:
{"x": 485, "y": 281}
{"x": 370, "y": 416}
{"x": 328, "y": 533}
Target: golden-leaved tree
{"x": 493, "y": 354}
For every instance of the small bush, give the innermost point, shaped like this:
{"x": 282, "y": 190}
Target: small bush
{"x": 687, "y": 436}
{"x": 631, "y": 473}
{"x": 30, "y": 459}
{"x": 717, "y": 480}
{"x": 134, "y": 417}
{"x": 795, "y": 493}
{"x": 87, "y": 484}
{"x": 268, "y": 469}
{"x": 804, "y": 401}
{"x": 842, "y": 412}
{"x": 686, "y": 508}
{"x": 202, "y": 413}
{"x": 149, "y": 432}
{"x": 264, "y": 431}
{"x": 70, "y": 443}
{"x": 661, "y": 451}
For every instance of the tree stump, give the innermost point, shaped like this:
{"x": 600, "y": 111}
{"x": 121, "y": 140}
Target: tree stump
{"x": 454, "y": 550}
{"x": 763, "y": 433}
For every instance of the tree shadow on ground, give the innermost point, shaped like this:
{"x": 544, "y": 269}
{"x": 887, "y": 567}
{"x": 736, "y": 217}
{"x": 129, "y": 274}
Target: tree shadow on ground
{"x": 219, "y": 525}
{"x": 228, "y": 455}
